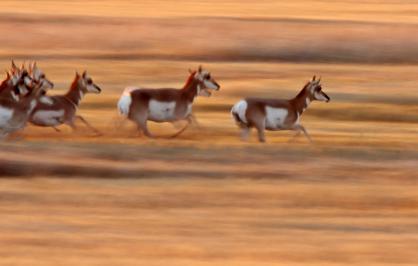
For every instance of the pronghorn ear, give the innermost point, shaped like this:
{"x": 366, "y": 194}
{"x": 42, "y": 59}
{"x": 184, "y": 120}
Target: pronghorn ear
{"x": 200, "y": 69}
{"x": 314, "y": 77}
{"x": 84, "y": 73}
{"x": 76, "y": 74}
{"x": 319, "y": 80}
{"x": 22, "y": 66}
{"x": 7, "y": 75}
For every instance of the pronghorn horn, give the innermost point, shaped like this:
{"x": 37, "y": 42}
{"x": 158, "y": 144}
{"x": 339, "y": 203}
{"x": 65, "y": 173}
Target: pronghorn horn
{"x": 14, "y": 67}
{"x": 7, "y": 75}
{"x": 314, "y": 77}
{"x": 84, "y": 73}
{"x": 200, "y": 68}
{"x": 22, "y": 66}
{"x": 31, "y": 67}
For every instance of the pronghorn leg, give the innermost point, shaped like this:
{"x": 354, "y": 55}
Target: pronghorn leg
{"x": 193, "y": 120}
{"x": 245, "y": 133}
{"x": 260, "y": 125}
{"x": 301, "y": 128}
{"x": 257, "y": 119}
{"x": 146, "y": 131}
{"x": 88, "y": 125}
{"x": 261, "y": 134}
{"x": 142, "y": 126}
{"x": 56, "y": 129}
{"x": 189, "y": 121}
{"x": 72, "y": 125}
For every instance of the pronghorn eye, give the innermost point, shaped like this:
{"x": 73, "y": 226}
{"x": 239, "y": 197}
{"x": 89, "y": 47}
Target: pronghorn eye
{"x": 89, "y": 81}
{"x": 208, "y": 76}
{"x": 42, "y": 76}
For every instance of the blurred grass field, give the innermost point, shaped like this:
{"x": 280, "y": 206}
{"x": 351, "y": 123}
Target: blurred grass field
{"x": 207, "y": 198}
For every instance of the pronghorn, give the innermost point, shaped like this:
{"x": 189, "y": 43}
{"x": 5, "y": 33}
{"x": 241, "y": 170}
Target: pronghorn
{"x": 53, "y": 111}
{"x": 15, "y": 110}
{"x": 16, "y": 84}
{"x": 40, "y": 78}
{"x": 276, "y": 114}
{"x": 165, "y": 105}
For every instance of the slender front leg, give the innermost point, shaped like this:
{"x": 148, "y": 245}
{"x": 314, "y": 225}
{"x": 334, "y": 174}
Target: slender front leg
{"x": 183, "y": 129}
{"x": 56, "y": 129}
{"x": 193, "y": 120}
{"x": 88, "y": 125}
{"x": 302, "y": 128}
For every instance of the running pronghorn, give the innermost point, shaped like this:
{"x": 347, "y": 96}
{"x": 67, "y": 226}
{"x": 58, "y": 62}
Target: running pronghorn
{"x": 165, "y": 105}
{"x": 40, "y": 78}
{"x": 276, "y": 114}
{"x": 53, "y": 111}
{"x": 15, "y": 85}
{"x": 15, "y": 109}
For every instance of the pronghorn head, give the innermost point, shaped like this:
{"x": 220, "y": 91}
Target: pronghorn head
{"x": 21, "y": 82}
{"x": 206, "y": 82}
{"x": 314, "y": 88}
{"x": 19, "y": 75}
{"x": 39, "y": 77}
{"x": 87, "y": 83}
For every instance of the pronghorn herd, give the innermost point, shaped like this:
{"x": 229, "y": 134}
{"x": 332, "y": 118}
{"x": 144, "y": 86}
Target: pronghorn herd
{"x": 24, "y": 98}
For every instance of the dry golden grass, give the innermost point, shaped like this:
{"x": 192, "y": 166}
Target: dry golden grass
{"x": 207, "y": 198}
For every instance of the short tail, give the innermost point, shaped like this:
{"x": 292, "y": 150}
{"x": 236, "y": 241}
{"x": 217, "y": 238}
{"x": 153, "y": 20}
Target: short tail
{"x": 236, "y": 118}
{"x": 124, "y": 103}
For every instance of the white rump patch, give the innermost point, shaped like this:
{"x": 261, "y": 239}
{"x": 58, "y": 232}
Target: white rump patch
{"x": 5, "y": 116}
{"x": 240, "y": 108}
{"x": 124, "y": 103}
{"x": 48, "y": 118}
{"x": 161, "y": 111}
{"x": 275, "y": 117}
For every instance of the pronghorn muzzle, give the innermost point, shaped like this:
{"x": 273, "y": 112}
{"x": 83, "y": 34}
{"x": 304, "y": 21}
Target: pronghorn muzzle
{"x": 326, "y": 96}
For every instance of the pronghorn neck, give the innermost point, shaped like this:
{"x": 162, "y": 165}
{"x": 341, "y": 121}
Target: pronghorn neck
{"x": 4, "y": 84}
{"x": 75, "y": 93}
{"x": 191, "y": 88}
{"x": 302, "y": 100}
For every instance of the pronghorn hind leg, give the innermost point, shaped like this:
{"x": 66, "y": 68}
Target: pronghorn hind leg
{"x": 261, "y": 133}
{"x": 258, "y": 120}
{"x": 142, "y": 127}
{"x": 88, "y": 125}
{"x": 245, "y": 133}
{"x": 147, "y": 132}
